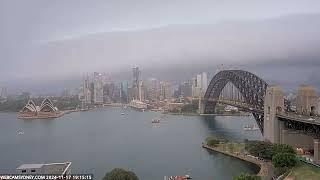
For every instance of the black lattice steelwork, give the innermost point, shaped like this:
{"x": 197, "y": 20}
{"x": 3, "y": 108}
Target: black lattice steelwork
{"x": 305, "y": 128}
{"x": 251, "y": 87}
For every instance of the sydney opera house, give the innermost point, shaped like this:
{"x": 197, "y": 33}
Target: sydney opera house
{"x": 45, "y": 110}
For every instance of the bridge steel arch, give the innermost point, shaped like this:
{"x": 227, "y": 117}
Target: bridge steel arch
{"x": 251, "y": 87}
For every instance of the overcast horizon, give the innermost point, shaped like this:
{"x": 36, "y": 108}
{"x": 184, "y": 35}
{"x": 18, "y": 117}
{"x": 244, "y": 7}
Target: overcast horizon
{"x": 48, "y": 45}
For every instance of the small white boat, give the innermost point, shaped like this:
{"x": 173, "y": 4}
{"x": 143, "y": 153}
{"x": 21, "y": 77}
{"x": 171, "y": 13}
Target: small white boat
{"x": 122, "y": 113}
{"x": 251, "y": 128}
{"x": 20, "y": 132}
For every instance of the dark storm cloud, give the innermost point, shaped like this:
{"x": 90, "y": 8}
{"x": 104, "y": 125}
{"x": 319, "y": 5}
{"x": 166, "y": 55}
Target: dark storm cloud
{"x": 56, "y": 40}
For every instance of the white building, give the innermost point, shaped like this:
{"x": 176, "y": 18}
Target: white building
{"x": 138, "y": 104}
{"x": 199, "y": 85}
{"x": 204, "y": 83}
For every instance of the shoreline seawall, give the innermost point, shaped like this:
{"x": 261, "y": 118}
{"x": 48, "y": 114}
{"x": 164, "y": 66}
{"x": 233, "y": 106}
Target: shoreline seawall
{"x": 262, "y": 165}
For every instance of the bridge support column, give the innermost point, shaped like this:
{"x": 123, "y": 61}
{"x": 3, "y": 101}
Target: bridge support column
{"x": 273, "y": 103}
{"x": 282, "y": 132}
{"x": 316, "y": 155}
{"x": 201, "y": 105}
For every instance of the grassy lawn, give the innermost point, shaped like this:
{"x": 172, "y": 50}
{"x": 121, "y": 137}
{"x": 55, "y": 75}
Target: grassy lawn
{"x": 231, "y": 147}
{"x": 304, "y": 172}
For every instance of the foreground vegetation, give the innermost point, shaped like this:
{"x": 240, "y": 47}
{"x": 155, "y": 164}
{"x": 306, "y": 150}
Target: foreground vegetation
{"x": 304, "y": 171}
{"x": 244, "y": 176}
{"x": 120, "y": 174}
{"x": 282, "y": 156}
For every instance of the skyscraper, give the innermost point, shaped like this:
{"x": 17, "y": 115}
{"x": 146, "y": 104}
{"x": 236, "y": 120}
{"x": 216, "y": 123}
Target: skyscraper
{"x": 85, "y": 93}
{"x": 108, "y": 90}
{"x": 98, "y": 88}
{"x": 136, "y": 83}
{"x": 136, "y": 76}
{"x": 124, "y": 92}
{"x": 141, "y": 91}
{"x": 152, "y": 89}
{"x": 186, "y": 89}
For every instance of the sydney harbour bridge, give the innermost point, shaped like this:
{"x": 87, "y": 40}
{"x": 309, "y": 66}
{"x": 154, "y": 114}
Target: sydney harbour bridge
{"x": 278, "y": 120}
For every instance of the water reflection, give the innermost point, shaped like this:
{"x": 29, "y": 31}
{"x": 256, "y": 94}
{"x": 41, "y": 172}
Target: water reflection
{"x": 230, "y": 127}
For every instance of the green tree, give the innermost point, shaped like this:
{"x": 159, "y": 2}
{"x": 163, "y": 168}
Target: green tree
{"x": 244, "y": 176}
{"x": 284, "y": 160}
{"x": 282, "y": 148}
{"x": 260, "y": 149}
{"x": 120, "y": 174}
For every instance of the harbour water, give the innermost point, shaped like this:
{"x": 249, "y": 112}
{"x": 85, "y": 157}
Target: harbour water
{"x": 99, "y": 140}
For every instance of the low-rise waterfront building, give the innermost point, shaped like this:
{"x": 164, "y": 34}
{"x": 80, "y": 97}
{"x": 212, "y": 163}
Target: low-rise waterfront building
{"x": 138, "y": 104}
{"x": 51, "y": 168}
{"x": 173, "y": 106}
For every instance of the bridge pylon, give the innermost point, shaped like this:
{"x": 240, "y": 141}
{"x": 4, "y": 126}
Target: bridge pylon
{"x": 273, "y": 103}
{"x": 201, "y": 105}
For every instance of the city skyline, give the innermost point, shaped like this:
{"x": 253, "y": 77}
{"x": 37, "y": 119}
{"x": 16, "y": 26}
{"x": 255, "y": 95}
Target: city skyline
{"x": 100, "y": 88}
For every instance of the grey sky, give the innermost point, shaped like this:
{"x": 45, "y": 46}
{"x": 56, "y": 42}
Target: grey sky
{"x": 38, "y": 37}
{"x": 42, "y": 20}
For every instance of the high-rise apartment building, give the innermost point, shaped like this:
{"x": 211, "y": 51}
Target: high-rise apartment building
{"x": 199, "y": 85}
{"x": 98, "y": 88}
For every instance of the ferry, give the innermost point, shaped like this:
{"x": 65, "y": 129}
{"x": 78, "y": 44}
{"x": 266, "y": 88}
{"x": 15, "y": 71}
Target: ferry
{"x": 251, "y": 128}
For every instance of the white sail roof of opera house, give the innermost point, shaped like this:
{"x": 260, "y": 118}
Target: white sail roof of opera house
{"x": 45, "y": 106}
